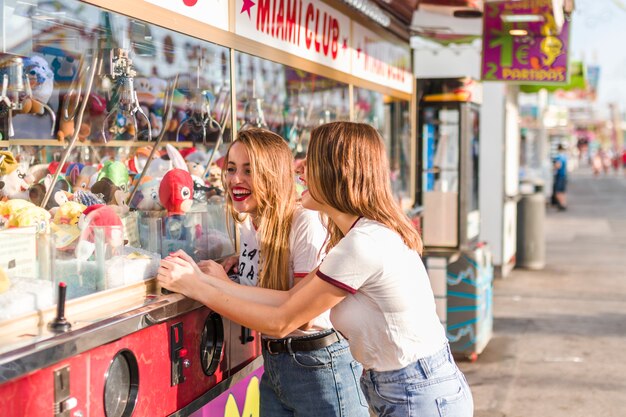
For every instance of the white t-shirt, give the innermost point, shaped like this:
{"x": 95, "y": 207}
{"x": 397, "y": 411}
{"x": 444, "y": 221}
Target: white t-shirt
{"x": 306, "y": 239}
{"x": 389, "y": 314}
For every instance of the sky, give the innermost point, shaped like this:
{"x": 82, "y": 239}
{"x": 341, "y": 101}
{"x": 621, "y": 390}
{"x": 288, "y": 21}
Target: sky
{"x": 598, "y": 36}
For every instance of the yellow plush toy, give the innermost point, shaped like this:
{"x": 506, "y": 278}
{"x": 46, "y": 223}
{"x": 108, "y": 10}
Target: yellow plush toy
{"x": 12, "y": 206}
{"x": 69, "y": 213}
{"x": 31, "y": 216}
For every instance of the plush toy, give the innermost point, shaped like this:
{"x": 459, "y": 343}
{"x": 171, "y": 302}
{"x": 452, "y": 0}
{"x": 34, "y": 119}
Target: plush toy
{"x": 106, "y": 189}
{"x": 176, "y": 192}
{"x": 12, "y": 206}
{"x": 79, "y": 178}
{"x": 37, "y": 192}
{"x": 150, "y": 93}
{"x": 112, "y": 195}
{"x": 117, "y": 172}
{"x": 96, "y": 107}
{"x": 146, "y": 198}
{"x": 69, "y": 213}
{"x": 137, "y": 163}
{"x": 15, "y": 179}
{"x": 40, "y": 77}
{"x": 31, "y": 216}
{"x": 87, "y": 198}
{"x": 98, "y": 217}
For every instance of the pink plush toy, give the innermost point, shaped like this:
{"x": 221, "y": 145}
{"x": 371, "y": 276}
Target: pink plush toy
{"x": 95, "y": 216}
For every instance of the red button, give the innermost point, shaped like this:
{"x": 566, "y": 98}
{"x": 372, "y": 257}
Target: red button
{"x": 182, "y": 353}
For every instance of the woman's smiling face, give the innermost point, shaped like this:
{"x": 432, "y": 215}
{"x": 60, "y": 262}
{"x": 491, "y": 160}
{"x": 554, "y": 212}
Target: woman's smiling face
{"x": 239, "y": 180}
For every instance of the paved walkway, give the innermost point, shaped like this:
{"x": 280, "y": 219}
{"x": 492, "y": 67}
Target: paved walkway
{"x": 559, "y": 345}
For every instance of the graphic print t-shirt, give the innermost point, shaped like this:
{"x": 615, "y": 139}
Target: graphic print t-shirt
{"x": 306, "y": 239}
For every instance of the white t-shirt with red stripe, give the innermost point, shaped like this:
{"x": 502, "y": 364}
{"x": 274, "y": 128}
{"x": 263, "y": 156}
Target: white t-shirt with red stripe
{"x": 389, "y": 314}
{"x": 306, "y": 240}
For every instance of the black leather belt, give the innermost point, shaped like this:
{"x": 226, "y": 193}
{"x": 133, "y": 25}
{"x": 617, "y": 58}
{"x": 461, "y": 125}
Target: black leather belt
{"x": 300, "y": 344}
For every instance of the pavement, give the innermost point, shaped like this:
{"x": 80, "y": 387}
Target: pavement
{"x": 559, "y": 342}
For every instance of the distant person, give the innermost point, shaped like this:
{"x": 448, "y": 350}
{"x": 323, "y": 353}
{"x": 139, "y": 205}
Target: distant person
{"x": 560, "y": 179}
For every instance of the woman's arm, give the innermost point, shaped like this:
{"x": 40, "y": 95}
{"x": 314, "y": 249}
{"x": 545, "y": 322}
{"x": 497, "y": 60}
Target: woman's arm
{"x": 211, "y": 274}
{"x": 303, "y": 303}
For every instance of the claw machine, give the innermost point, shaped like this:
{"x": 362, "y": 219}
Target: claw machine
{"x": 458, "y": 263}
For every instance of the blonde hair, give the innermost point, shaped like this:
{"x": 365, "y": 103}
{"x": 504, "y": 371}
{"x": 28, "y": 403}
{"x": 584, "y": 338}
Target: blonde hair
{"x": 348, "y": 169}
{"x": 271, "y": 165}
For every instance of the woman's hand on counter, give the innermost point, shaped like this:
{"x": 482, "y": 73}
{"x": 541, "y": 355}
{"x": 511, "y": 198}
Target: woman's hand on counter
{"x": 178, "y": 275}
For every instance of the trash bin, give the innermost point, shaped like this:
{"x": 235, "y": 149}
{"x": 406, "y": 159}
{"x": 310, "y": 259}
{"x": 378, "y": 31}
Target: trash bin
{"x": 531, "y": 214}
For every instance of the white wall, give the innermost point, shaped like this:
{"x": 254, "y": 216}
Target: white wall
{"x": 492, "y": 151}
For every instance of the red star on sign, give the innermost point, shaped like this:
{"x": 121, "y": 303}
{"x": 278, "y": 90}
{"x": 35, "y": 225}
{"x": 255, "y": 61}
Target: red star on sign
{"x": 247, "y": 5}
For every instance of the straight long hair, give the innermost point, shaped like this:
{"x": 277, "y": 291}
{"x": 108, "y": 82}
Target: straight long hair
{"x": 271, "y": 165}
{"x": 348, "y": 169}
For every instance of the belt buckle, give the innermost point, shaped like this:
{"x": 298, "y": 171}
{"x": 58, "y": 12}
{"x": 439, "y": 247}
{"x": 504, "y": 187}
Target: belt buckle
{"x": 269, "y": 349}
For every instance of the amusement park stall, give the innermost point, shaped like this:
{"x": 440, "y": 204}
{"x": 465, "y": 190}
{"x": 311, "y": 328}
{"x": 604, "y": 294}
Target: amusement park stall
{"x": 114, "y": 117}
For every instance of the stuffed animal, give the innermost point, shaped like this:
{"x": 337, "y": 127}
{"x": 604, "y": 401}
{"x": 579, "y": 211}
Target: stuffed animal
{"x": 79, "y": 176}
{"x": 87, "y": 198}
{"x": 137, "y": 163}
{"x": 112, "y": 195}
{"x": 31, "y": 216}
{"x": 7, "y": 208}
{"x": 37, "y": 192}
{"x": 96, "y": 218}
{"x": 40, "y": 77}
{"x": 69, "y": 213}
{"x": 15, "y": 179}
{"x": 146, "y": 197}
{"x": 12, "y": 206}
{"x": 106, "y": 189}
{"x": 96, "y": 107}
{"x": 117, "y": 172}
{"x": 176, "y": 192}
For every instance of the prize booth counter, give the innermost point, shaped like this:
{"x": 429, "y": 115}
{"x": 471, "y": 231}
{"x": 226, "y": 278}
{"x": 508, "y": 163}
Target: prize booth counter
{"x": 114, "y": 120}
{"x": 459, "y": 265}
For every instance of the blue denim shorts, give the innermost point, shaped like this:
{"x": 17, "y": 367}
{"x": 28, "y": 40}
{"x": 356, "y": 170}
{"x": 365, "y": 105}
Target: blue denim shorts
{"x": 323, "y": 382}
{"x": 431, "y": 387}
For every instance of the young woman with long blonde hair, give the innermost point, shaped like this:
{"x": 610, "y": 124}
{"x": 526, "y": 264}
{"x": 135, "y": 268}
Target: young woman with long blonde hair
{"x": 372, "y": 279}
{"x": 309, "y": 371}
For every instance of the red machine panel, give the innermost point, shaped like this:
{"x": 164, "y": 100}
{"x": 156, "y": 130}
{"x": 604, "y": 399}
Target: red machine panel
{"x": 34, "y": 394}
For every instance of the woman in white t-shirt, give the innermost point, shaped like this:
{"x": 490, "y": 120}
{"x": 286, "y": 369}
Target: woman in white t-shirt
{"x": 309, "y": 371}
{"x": 372, "y": 279}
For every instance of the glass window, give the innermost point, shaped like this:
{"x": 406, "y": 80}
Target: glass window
{"x": 392, "y": 120}
{"x": 141, "y": 71}
{"x": 287, "y": 101}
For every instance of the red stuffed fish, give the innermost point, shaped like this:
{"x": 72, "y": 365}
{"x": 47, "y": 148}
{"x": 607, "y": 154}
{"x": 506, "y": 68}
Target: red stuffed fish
{"x": 176, "y": 191}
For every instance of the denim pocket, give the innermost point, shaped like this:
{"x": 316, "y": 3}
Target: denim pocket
{"x": 315, "y": 359}
{"x": 357, "y": 372}
{"x": 453, "y": 405}
{"x": 392, "y": 392}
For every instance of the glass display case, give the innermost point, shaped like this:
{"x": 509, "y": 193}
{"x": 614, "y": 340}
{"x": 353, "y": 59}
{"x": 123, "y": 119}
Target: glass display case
{"x": 89, "y": 100}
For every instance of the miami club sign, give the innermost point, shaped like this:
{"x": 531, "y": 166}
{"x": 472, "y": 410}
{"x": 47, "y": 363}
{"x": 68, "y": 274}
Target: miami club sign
{"x": 309, "y": 29}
